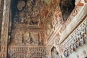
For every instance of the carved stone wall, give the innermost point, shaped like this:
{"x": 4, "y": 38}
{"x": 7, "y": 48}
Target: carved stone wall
{"x": 27, "y": 51}
{"x": 27, "y": 12}
{"x": 26, "y": 37}
{"x": 31, "y": 28}
{"x": 75, "y": 40}
{"x": 60, "y": 34}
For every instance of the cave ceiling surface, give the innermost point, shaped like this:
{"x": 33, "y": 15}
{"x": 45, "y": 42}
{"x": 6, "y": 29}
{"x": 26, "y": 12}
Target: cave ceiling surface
{"x": 36, "y": 12}
{"x": 32, "y": 12}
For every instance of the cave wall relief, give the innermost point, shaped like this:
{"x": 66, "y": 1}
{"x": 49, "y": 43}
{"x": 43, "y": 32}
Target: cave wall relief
{"x": 76, "y": 39}
{"x": 27, "y": 38}
{"x": 27, "y": 52}
{"x": 27, "y": 12}
{"x": 25, "y": 34}
{"x": 58, "y": 18}
{"x": 26, "y": 19}
{"x": 54, "y": 21}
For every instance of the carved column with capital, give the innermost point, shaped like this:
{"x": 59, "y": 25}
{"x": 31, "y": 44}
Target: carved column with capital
{"x": 4, "y": 31}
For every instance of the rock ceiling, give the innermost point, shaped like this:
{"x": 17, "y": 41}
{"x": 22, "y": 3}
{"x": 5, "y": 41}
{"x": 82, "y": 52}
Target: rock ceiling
{"x": 38, "y": 12}
{"x": 32, "y": 11}
{"x": 26, "y": 16}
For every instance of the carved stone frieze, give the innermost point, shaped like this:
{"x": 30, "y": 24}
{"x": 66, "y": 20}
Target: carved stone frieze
{"x": 75, "y": 39}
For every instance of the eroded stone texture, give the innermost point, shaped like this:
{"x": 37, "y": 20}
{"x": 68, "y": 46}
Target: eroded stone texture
{"x": 43, "y": 29}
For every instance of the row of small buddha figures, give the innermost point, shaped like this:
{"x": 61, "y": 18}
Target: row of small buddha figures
{"x": 79, "y": 42}
{"x": 79, "y": 39}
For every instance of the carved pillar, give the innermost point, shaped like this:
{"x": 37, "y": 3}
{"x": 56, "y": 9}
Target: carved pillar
{"x": 4, "y": 32}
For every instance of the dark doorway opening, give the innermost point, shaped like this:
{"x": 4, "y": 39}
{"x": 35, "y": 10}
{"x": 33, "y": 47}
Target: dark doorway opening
{"x": 66, "y": 7}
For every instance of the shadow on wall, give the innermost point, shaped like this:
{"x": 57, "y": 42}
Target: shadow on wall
{"x": 66, "y": 7}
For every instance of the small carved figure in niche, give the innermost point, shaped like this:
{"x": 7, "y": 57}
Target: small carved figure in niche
{"x": 68, "y": 49}
{"x": 27, "y": 39}
{"x": 29, "y": 6}
{"x": 28, "y": 19}
{"x": 85, "y": 37}
{"x": 58, "y": 15}
{"x": 83, "y": 29}
{"x": 66, "y": 53}
{"x": 32, "y": 22}
{"x": 24, "y": 18}
{"x": 49, "y": 28}
{"x": 71, "y": 48}
{"x": 20, "y": 5}
{"x": 81, "y": 41}
{"x": 77, "y": 43}
{"x": 16, "y": 39}
{"x": 74, "y": 46}
{"x": 32, "y": 39}
{"x": 40, "y": 40}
